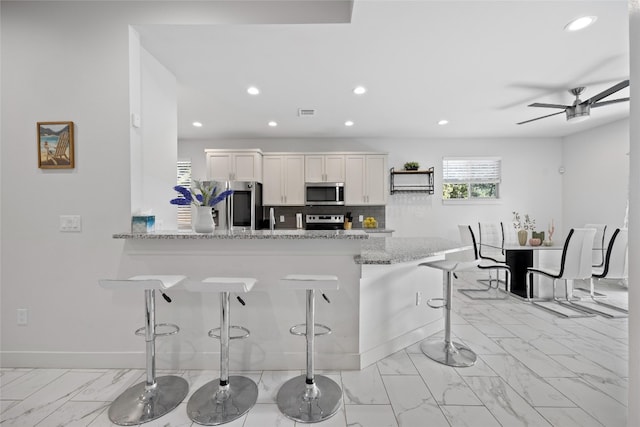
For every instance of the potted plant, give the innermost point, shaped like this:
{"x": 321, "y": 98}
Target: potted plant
{"x": 411, "y": 166}
{"x": 203, "y": 195}
{"x": 523, "y": 228}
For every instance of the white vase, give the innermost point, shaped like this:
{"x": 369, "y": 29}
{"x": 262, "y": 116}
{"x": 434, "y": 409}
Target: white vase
{"x": 203, "y": 221}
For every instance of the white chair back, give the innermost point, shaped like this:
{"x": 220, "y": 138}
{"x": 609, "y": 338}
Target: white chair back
{"x": 599, "y": 248}
{"x": 616, "y": 263}
{"x": 491, "y": 234}
{"x": 576, "y": 255}
{"x": 467, "y": 238}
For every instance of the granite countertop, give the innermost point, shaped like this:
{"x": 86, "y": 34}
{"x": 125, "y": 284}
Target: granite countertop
{"x": 392, "y": 250}
{"x": 246, "y": 235}
{"x": 378, "y": 230}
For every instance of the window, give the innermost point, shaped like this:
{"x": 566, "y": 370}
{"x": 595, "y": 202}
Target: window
{"x": 184, "y": 179}
{"x": 471, "y": 178}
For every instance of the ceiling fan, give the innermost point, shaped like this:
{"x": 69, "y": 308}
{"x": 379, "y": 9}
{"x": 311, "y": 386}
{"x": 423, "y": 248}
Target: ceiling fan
{"x": 580, "y": 110}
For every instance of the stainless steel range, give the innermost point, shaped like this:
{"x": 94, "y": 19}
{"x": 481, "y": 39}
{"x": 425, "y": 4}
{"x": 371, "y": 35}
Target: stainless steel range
{"x": 324, "y": 222}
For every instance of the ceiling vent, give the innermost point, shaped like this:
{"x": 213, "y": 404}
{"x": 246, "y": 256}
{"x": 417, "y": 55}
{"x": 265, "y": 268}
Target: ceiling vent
{"x": 306, "y": 112}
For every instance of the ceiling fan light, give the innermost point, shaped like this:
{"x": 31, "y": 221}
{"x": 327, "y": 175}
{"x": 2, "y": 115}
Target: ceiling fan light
{"x": 578, "y": 119}
{"x": 580, "y": 23}
{"x": 578, "y": 113}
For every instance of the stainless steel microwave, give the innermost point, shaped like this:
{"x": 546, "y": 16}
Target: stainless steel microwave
{"x": 324, "y": 193}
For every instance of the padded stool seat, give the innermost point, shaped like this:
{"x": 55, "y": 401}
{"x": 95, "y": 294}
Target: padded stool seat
{"x": 222, "y": 284}
{"x": 143, "y": 283}
{"x": 309, "y": 398}
{"x": 316, "y": 282}
{"x": 155, "y": 397}
{"x": 226, "y": 398}
{"x": 448, "y": 352}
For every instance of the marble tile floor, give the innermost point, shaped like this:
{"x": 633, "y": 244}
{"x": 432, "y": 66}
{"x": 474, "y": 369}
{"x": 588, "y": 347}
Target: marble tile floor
{"x": 533, "y": 369}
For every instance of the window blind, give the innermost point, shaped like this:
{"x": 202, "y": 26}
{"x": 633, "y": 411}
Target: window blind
{"x": 184, "y": 179}
{"x": 471, "y": 170}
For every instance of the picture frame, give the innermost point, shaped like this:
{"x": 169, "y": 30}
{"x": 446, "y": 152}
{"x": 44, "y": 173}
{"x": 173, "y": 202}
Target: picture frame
{"x": 55, "y": 145}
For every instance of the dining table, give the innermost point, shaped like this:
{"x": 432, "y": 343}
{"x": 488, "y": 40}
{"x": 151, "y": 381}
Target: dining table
{"x": 520, "y": 257}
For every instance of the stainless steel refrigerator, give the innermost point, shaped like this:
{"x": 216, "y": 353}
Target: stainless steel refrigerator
{"x": 243, "y": 209}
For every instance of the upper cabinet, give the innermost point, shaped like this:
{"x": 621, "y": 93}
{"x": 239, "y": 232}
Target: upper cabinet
{"x": 234, "y": 165}
{"x": 366, "y": 179}
{"x": 283, "y": 183}
{"x": 324, "y": 167}
{"x": 283, "y": 175}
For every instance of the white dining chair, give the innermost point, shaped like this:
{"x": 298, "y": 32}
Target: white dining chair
{"x": 597, "y": 258}
{"x": 615, "y": 267}
{"x": 486, "y": 263}
{"x": 575, "y": 264}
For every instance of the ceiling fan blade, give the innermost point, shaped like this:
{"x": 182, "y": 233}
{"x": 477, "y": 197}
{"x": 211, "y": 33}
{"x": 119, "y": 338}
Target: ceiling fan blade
{"x": 538, "y": 118}
{"x": 538, "y": 104}
{"x": 613, "y": 101}
{"x": 605, "y": 93}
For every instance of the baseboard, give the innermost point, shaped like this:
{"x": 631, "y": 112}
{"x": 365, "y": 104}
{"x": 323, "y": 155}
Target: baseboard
{"x": 174, "y": 361}
{"x": 371, "y": 356}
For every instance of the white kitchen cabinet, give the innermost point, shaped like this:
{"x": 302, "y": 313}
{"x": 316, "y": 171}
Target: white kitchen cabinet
{"x": 283, "y": 183}
{"x": 234, "y": 165}
{"x": 365, "y": 179}
{"x": 324, "y": 167}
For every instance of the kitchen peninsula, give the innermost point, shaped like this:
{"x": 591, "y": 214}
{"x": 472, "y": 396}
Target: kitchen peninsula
{"x": 373, "y": 314}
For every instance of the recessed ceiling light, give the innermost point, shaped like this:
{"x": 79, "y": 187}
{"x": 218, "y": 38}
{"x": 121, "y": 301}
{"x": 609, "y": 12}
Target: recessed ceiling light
{"x": 580, "y": 23}
{"x": 360, "y": 90}
{"x": 252, "y": 90}
{"x": 443, "y": 122}
{"x": 197, "y": 124}
{"x": 348, "y": 123}
{"x": 273, "y": 124}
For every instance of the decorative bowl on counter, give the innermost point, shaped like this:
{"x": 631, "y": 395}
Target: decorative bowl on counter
{"x": 370, "y": 222}
{"x": 535, "y": 242}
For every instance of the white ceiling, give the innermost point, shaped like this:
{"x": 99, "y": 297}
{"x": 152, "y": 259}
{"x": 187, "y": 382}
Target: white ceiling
{"x": 477, "y": 64}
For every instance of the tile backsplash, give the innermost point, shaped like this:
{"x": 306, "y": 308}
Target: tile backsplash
{"x": 289, "y": 213}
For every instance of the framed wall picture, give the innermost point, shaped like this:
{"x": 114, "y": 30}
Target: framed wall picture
{"x": 55, "y": 145}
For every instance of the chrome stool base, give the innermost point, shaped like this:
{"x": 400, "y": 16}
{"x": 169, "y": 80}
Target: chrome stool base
{"x": 210, "y": 405}
{"x": 138, "y": 405}
{"x": 299, "y": 404}
{"x": 450, "y": 354}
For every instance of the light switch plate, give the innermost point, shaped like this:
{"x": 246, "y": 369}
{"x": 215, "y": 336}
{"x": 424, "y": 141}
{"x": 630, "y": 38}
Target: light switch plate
{"x": 281, "y": 218}
{"x": 71, "y": 223}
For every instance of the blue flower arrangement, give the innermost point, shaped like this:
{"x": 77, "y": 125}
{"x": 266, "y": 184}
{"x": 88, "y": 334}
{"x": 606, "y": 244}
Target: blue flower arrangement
{"x": 203, "y": 193}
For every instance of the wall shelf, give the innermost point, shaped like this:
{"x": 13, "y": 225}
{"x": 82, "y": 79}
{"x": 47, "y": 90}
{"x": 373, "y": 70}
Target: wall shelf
{"x": 423, "y": 182}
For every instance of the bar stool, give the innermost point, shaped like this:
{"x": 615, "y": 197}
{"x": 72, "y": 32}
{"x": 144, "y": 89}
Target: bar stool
{"x": 226, "y": 398}
{"x": 309, "y": 398}
{"x": 154, "y": 397}
{"x": 448, "y": 352}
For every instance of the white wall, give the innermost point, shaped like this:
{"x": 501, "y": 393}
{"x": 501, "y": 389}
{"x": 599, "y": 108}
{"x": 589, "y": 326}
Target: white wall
{"x": 596, "y": 181}
{"x": 159, "y": 140}
{"x": 530, "y": 179}
{"x": 70, "y": 61}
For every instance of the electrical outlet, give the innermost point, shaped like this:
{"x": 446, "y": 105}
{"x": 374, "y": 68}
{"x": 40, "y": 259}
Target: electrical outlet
{"x": 23, "y": 317}
{"x": 361, "y": 218}
{"x": 281, "y": 218}
{"x": 418, "y": 298}
{"x": 70, "y": 223}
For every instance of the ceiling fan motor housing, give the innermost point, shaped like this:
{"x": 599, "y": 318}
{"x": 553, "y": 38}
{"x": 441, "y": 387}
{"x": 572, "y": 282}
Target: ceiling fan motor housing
{"x": 578, "y": 112}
